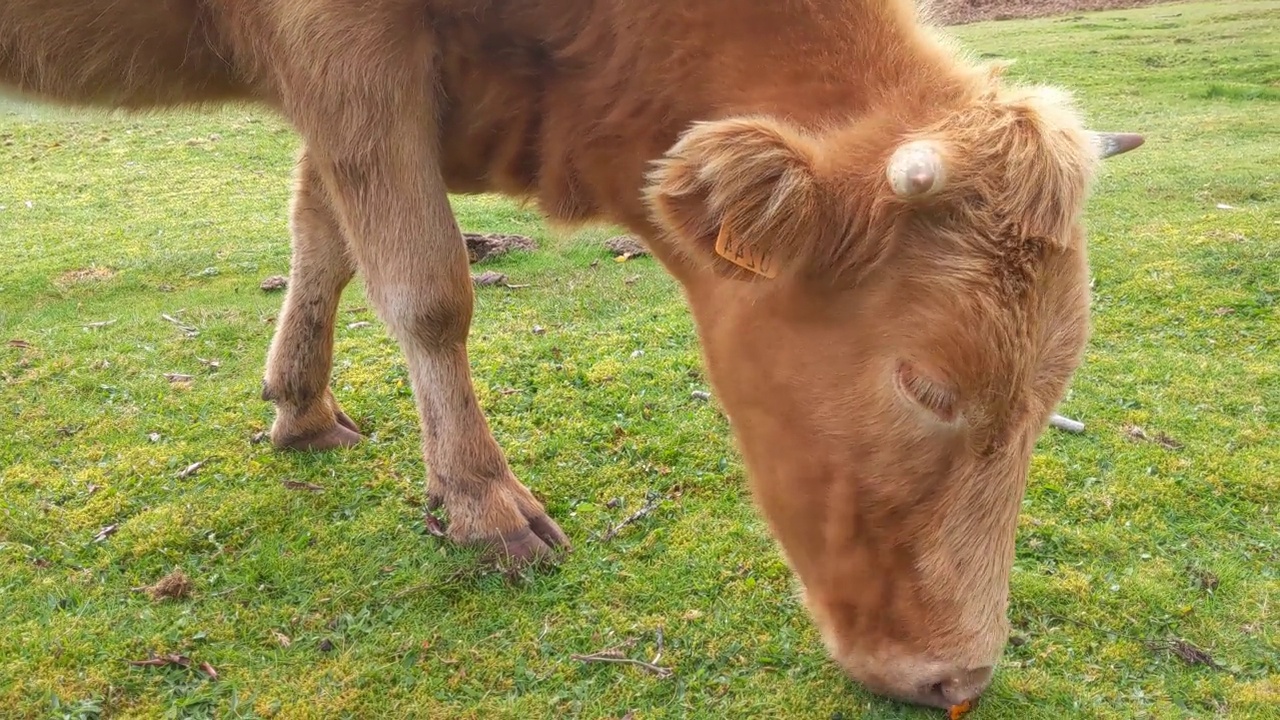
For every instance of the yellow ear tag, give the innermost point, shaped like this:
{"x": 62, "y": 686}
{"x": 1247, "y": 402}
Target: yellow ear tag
{"x": 743, "y": 255}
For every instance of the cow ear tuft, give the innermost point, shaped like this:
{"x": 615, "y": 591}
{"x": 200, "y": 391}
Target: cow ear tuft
{"x": 740, "y": 195}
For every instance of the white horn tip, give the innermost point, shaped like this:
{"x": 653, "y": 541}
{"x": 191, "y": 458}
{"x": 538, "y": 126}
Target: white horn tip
{"x": 1109, "y": 144}
{"x": 916, "y": 169}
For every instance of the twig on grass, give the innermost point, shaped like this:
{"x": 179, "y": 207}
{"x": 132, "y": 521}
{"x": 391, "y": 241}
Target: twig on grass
{"x": 191, "y": 469}
{"x": 616, "y": 657}
{"x": 654, "y": 501}
{"x": 1186, "y": 652}
{"x": 188, "y": 330}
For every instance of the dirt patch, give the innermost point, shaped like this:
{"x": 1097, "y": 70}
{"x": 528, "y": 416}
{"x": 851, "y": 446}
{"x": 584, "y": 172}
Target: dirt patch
{"x": 481, "y": 246}
{"x": 626, "y": 245}
{"x": 84, "y": 275}
{"x": 274, "y": 283}
{"x": 960, "y": 12}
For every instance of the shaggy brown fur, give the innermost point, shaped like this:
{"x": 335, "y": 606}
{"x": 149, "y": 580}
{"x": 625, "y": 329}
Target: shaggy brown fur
{"x": 886, "y": 386}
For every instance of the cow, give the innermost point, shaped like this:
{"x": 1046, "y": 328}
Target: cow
{"x": 880, "y": 240}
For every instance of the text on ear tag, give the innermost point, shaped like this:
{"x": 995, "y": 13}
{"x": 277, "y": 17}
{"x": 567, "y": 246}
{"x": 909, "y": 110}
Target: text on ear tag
{"x": 743, "y": 255}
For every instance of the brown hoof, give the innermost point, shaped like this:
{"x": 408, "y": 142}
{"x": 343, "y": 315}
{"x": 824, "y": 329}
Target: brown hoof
{"x": 340, "y": 435}
{"x": 345, "y": 421}
{"x": 542, "y": 540}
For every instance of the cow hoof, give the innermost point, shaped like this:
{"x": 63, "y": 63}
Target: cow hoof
{"x": 538, "y": 541}
{"x": 345, "y": 421}
{"x": 533, "y": 545}
{"x": 341, "y": 434}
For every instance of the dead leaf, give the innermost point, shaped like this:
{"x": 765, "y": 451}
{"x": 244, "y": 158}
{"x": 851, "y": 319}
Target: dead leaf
{"x": 207, "y": 669}
{"x": 178, "y": 378}
{"x": 281, "y": 639}
{"x": 191, "y": 470}
{"x": 488, "y": 277}
{"x": 163, "y": 660}
{"x": 631, "y": 715}
{"x": 42, "y": 563}
{"x": 1223, "y": 311}
{"x": 174, "y": 586}
{"x": 434, "y": 525}
{"x": 299, "y": 485}
{"x": 258, "y": 437}
{"x": 1204, "y": 579}
{"x": 1162, "y": 439}
{"x": 358, "y": 324}
{"x": 326, "y": 645}
{"x": 21, "y": 344}
{"x": 1187, "y": 652}
{"x": 211, "y": 364}
{"x": 106, "y": 532}
{"x": 274, "y": 283}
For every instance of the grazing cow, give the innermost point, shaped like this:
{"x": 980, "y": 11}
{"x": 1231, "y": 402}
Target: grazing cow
{"x": 880, "y": 241}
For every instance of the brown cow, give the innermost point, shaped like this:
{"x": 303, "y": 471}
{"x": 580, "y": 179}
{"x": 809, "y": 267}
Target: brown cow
{"x": 880, "y": 241}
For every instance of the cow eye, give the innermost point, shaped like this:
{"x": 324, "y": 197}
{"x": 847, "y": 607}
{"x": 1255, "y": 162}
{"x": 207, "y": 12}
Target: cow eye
{"x": 930, "y": 393}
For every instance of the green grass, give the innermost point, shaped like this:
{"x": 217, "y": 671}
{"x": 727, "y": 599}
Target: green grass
{"x": 1115, "y": 538}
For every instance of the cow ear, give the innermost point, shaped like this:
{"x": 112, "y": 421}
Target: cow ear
{"x": 740, "y": 195}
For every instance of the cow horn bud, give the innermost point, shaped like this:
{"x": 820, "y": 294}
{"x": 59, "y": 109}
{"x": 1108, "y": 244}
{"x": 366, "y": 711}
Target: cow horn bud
{"x": 916, "y": 169}
{"x": 1109, "y": 144}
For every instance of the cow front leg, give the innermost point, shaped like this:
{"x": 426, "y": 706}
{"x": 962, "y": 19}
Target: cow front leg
{"x": 301, "y": 355}
{"x": 388, "y": 192}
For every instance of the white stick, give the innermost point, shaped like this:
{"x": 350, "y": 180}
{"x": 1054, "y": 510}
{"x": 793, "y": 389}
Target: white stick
{"x": 1066, "y": 423}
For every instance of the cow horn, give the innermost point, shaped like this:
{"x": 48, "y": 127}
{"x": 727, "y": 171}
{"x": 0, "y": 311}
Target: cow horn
{"x": 916, "y": 169}
{"x": 1109, "y": 144}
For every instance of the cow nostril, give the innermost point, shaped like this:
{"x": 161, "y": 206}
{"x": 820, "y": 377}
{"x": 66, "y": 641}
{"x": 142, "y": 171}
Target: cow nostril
{"x": 939, "y": 690}
{"x": 959, "y": 687}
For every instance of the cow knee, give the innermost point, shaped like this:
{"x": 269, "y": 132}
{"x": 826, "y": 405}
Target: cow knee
{"x": 427, "y": 317}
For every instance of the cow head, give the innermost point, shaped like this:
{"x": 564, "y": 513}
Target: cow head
{"x": 889, "y": 312}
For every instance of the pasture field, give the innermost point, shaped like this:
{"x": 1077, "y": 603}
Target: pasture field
{"x": 1147, "y": 581}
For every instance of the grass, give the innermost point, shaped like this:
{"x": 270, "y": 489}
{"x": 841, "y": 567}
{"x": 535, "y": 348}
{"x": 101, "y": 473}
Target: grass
{"x": 336, "y": 603}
